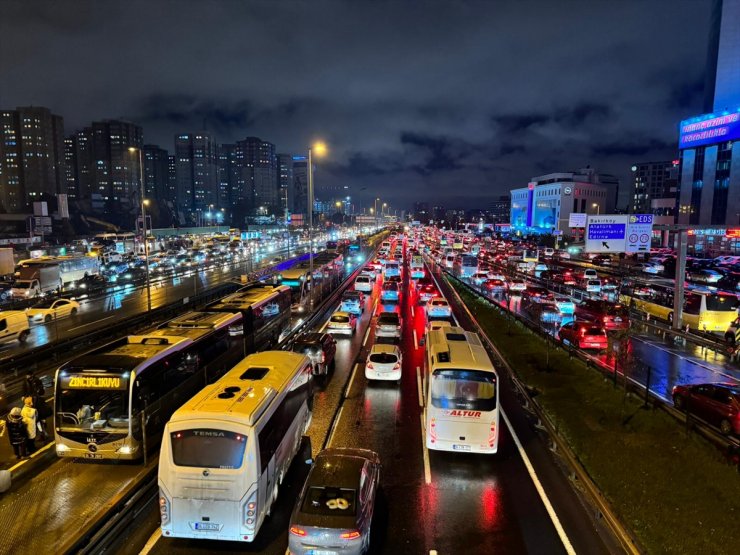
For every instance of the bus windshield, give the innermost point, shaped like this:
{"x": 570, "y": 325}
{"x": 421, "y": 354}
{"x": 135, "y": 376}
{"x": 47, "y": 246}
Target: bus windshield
{"x": 92, "y": 402}
{"x": 464, "y": 389}
{"x": 208, "y": 448}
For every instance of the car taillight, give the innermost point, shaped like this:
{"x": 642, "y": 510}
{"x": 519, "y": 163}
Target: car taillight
{"x": 370, "y": 366}
{"x": 583, "y": 332}
{"x": 353, "y": 535}
{"x": 606, "y": 319}
{"x": 323, "y": 356}
{"x": 397, "y": 366}
{"x": 297, "y": 531}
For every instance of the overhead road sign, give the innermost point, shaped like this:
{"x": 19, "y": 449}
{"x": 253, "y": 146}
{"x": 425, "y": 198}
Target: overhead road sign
{"x": 606, "y": 232}
{"x": 577, "y": 219}
{"x": 639, "y": 233}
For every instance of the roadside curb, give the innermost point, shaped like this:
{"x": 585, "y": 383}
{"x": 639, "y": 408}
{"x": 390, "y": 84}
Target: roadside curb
{"x": 29, "y": 466}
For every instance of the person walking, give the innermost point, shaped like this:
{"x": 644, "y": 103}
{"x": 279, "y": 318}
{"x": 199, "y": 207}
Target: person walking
{"x": 34, "y": 387}
{"x": 30, "y": 417}
{"x": 17, "y": 433}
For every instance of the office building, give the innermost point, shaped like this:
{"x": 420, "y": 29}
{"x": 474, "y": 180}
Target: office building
{"x": 156, "y": 173}
{"x": 285, "y": 183}
{"x": 709, "y": 174}
{"x": 648, "y": 182}
{"x": 32, "y": 157}
{"x": 258, "y": 182}
{"x": 422, "y": 212}
{"x": 196, "y": 167}
{"x": 546, "y": 203}
{"x": 228, "y": 178}
{"x": 171, "y": 178}
{"x": 500, "y": 210}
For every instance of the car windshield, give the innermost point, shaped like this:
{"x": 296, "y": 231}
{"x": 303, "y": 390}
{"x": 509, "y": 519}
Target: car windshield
{"x": 44, "y": 304}
{"x": 383, "y": 358}
{"x": 594, "y": 331}
{"x": 340, "y": 319}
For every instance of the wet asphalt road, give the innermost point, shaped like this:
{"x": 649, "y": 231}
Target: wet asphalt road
{"x": 465, "y": 504}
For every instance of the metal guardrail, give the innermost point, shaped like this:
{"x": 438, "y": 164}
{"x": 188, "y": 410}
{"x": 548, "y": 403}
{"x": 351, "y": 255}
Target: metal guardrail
{"x": 559, "y": 445}
{"x": 728, "y": 444}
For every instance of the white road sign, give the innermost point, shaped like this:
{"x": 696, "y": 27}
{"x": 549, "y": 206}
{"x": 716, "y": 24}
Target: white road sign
{"x": 639, "y": 232}
{"x": 577, "y": 219}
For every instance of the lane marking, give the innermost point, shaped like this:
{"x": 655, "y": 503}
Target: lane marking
{"x": 432, "y": 552}
{"x": 91, "y": 323}
{"x": 412, "y": 312}
{"x": 540, "y": 489}
{"x": 151, "y": 542}
{"x": 35, "y": 454}
{"x": 418, "y": 387}
{"x": 352, "y": 380}
{"x": 367, "y": 332}
{"x": 416, "y": 341}
{"x": 425, "y": 452}
{"x": 334, "y": 426}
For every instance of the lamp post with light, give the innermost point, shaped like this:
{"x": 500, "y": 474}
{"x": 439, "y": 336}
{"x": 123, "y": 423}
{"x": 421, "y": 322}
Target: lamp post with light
{"x": 598, "y": 208}
{"x": 143, "y": 223}
{"x": 319, "y": 149}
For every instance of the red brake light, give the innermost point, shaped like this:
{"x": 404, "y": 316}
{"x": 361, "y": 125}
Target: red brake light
{"x": 297, "y": 531}
{"x": 583, "y": 332}
{"x": 606, "y": 319}
{"x": 353, "y": 535}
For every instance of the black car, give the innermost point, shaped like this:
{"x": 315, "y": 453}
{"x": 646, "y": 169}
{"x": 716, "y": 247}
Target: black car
{"x": 86, "y": 286}
{"x": 321, "y": 348}
{"x": 5, "y": 290}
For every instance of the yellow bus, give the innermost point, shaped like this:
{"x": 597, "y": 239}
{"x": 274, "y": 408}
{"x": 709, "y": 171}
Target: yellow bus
{"x": 702, "y": 311}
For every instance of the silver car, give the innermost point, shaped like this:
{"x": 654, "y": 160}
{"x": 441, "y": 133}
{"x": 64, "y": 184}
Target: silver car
{"x": 335, "y": 509}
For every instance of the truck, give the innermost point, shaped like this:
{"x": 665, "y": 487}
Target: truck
{"x": 43, "y": 280}
{"x": 7, "y": 264}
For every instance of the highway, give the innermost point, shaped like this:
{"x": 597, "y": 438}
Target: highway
{"x": 430, "y": 501}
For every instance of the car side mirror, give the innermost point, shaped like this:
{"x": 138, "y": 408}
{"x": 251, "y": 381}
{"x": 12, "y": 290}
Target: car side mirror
{"x": 309, "y": 461}
{"x": 422, "y": 341}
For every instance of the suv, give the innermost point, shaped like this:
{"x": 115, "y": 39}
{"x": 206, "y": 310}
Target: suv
{"x": 611, "y": 316}
{"x": 320, "y": 348}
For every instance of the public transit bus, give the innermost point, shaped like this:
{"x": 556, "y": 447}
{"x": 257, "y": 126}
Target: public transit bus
{"x": 702, "y": 311}
{"x": 461, "y": 412}
{"x": 265, "y": 311}
{"x": 417, "y": 267}
{"x": 71, "y": 267}
{"x": 226, "y": 451}
{"x": 102, "y": 398}
{"x": 465, "y": 266}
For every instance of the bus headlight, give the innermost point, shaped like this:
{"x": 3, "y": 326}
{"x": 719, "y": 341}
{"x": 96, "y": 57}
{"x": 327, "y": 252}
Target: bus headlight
{"x": 126, "y": 450}
{"x": 62, "y": 449}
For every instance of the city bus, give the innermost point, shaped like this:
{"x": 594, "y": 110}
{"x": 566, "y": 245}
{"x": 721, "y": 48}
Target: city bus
{"x": 101, "y": 398}
{"x": 461, "y": 412}
{"x": 702, "y": 311}
{"x": 71, "y": 267}
{"x": 265, "y": 311}
{"x": 226, "y": 451}
{"x": 465, "y": 266}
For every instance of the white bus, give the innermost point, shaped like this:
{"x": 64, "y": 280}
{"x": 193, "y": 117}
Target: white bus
{"x": 226, "y": 451}
{"x": 462, "y": 407}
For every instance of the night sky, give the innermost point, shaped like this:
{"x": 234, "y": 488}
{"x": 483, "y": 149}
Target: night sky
{"x": 453, "y": 102}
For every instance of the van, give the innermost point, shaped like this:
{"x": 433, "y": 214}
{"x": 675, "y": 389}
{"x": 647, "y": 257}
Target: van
{"x": 13, "y": 325}
{"x": 590, "y": 274}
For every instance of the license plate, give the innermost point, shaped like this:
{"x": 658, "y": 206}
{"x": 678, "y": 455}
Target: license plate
{"x": 617, "y": 319}
{"x": 207, "y": 526}
{"x": 461, "y": 447}
{"x": 320, "y": 552}
{"x": 93, "y": 456}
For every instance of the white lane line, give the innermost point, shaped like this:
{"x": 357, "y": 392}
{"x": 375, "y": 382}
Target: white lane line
{"x": 425, "y": 451}
{"x": 418, "y": 387}
{"x": 151, "y": 542}
{"x": 17, "y": 465}
{"x": 335, "y": 426}
{"x": 412, "y": 312}
{"x": 352, "y": 379}
{"x": 540, "y": 490}
{"x": 367, "y": 332}
{"x": 416, "y": 341}
{"x": 91, "y": 323}
{"x": 432, "y": 552}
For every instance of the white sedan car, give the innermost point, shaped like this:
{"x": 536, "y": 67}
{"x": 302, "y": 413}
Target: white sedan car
{"x": 46, "y": 311}
{"x": 384, "y": 363}
{"x": 438, "y": 308}
{"x": 342, "y": 322}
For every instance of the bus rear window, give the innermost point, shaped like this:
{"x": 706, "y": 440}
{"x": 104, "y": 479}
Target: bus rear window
{"x": 464, "y": 390}
{"x": 721, "y": 303}
{"x": 208, "y": 448}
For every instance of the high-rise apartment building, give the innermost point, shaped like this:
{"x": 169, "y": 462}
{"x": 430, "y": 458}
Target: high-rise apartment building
{"x": 300, "y": 185}
{"x": 32, "y": 160}
{"x": 257, "y": 184}
{"x": 172, "y": 179}
{"x": 648, "y": 182}
{"x": 197, "y": 173}
{"x": 228, "y": 178}
{"x": 156, "y": 173}
{"x": 285, "y": 183}
{"x": 501, "y": 209}
{"x": 709, "y": 173}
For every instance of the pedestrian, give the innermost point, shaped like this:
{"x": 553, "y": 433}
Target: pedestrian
{"x": 33, "y": 387}
{"x": 17, "y": 433}
{"x": 30, "y": 417}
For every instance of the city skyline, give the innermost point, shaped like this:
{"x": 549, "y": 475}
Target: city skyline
{"x": 501, "y": 115}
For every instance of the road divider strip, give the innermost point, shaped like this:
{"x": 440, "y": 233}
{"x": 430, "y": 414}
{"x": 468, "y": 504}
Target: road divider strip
{"x": 425, "y": 452}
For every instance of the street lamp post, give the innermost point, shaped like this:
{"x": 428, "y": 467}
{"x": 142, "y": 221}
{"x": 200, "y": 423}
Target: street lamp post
{"x": 143, "y": 223}
{"x": 320, "y": 151}
{"x": 598, "y": 208}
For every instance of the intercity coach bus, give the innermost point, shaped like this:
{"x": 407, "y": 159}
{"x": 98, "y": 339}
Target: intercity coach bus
{"x": 107, "y": 401}
{"x": 226, "y": 451}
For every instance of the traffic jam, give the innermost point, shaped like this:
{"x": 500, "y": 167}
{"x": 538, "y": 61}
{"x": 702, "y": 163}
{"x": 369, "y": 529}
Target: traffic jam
{"x": 593, "y": 303}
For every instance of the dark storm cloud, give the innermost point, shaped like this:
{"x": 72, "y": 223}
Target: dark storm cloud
{"x": 434, "y": 100}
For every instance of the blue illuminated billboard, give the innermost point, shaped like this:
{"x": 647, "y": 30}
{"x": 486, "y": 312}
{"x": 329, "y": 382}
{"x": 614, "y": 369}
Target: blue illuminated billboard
{"x": 709, "y": 129}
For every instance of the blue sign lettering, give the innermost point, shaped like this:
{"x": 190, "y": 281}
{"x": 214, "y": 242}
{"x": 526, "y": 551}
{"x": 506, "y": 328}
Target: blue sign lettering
{"x": 600, "y": 232}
